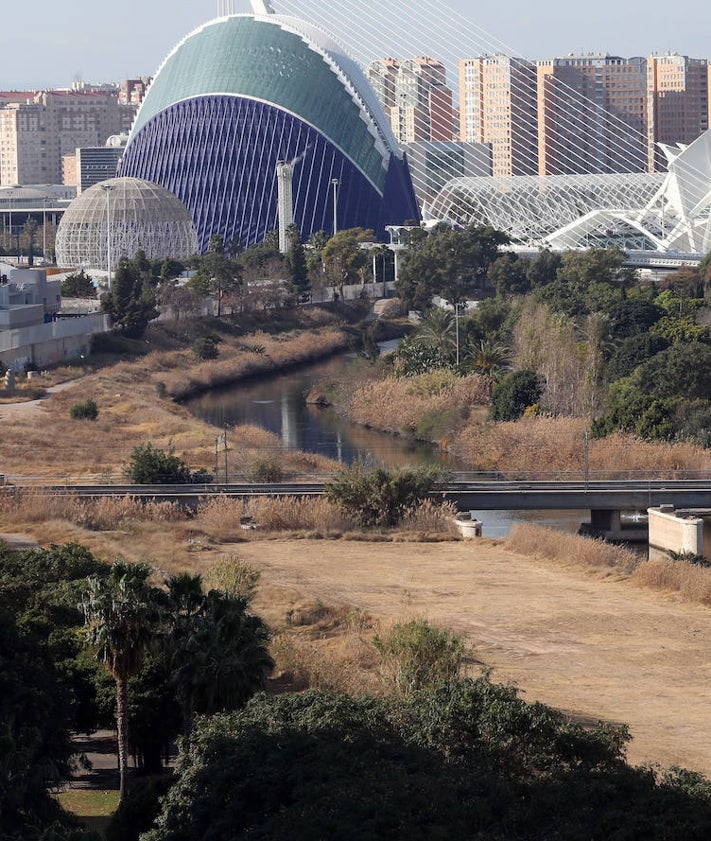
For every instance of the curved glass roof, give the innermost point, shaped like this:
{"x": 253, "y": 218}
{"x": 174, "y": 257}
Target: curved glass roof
{"x": 286, "y": 63}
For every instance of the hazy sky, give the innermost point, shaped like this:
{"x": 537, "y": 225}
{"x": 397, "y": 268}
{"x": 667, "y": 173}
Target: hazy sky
{"x": 51, "y": 44}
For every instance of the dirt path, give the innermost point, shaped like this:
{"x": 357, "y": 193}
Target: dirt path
{"x": 595, "y": 646}
{"x": 29, "y": 407}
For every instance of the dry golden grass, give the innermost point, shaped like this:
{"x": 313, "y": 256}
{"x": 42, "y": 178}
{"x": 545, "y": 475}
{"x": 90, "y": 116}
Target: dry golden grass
{"x": 452, "y": 412}
{"x": 327, "y": 647}
{"x": 43, "y": 441}
{"x": 691, "y": 582}
{"x": 436, "y": 403}
{"x": 542, "y": 542}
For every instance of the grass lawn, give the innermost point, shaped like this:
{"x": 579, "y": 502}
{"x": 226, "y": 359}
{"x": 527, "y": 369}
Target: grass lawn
{"x": 94, "y": 808}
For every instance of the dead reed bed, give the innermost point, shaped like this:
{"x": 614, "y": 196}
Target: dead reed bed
{"x": 432, "y": 518}
{"x": 690, "y": 581}
{"x": 261, "y": 353}
{"x": 225, "y": 519}
{"x": 431, "y": 406}
{"x": 27, "y": 506}
{"x": 543, "y": 542}
{"x": 557, "y": 445}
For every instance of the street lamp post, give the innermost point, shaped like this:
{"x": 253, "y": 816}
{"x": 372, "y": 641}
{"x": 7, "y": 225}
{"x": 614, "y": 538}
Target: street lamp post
{"x": 334, "y": 184}
{"x": 107, "y": 189}
{"x": 456, "y": 328}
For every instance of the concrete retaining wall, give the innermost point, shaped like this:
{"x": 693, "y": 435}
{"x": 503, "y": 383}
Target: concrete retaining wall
{"x": 47, "y": 344}
{"x": 674, "y": 531}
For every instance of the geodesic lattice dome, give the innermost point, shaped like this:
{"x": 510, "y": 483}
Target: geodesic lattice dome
{"x": 128, "y": 214}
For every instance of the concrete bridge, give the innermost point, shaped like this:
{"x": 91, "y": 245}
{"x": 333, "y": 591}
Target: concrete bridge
{"x": 605, "y": 499}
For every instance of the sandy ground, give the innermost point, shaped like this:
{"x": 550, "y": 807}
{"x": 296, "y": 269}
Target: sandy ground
{"x": 588, "y": 644}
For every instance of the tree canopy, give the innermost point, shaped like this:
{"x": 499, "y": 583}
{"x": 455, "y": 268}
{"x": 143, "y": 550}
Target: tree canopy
{"x": 448, "y": 263}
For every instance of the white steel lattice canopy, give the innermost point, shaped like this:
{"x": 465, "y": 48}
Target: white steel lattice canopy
{"x": 127, "y": 214}
{"x": 646, "y": 211}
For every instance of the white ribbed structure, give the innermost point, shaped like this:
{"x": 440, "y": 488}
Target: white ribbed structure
{"x": 119, "y": 217}
{"x": 591, "y": 204}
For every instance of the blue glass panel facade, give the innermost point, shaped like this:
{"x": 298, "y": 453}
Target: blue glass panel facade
{"x": 218, "y": 154}
{"x": 258, "y": 59}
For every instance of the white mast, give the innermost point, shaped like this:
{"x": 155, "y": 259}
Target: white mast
{"x": 285, "y": 201}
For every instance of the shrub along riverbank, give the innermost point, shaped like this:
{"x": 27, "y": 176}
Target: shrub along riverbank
{"x": 451, "y": 411}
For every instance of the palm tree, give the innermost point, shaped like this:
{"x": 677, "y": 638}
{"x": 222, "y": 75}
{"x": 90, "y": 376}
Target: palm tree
{"x": 218, "y": 651}
{"x": 490, "y": 359}
{"x": 121, "y": 612}
{"x": 438, "y": 330}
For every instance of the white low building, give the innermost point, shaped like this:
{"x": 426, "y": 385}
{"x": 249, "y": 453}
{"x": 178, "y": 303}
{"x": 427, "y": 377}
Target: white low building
{"x": 32, "y": 331}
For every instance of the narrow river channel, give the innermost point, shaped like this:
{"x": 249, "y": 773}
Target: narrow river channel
{"x": 278, "y": 404}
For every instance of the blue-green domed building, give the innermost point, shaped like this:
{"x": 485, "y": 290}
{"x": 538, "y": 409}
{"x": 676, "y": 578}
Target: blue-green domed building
{"x": 243, "y": 92}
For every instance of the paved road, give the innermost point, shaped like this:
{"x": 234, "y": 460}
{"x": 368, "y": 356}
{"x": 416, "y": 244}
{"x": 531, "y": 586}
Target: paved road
{"x": 100, "y": 750}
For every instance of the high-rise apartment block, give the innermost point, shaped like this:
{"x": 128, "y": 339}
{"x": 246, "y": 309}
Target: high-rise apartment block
{"x": 497, "y": 105}
{"x": 582, "y": 113}
{"x": 591, "y": 115}
{"x": 677, "y": 102}
{"x": 38, "y": 129}
{"x": 415, "y": 97}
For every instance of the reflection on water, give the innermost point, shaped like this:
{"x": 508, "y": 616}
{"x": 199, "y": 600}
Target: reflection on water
{"x": 500, "y": 523}
{"x": 277, "y": 403}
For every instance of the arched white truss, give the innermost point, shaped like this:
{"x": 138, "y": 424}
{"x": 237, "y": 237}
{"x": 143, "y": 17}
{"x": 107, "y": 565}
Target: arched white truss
{"x": 531, "y": 209}
{"x": 642, "y": 211}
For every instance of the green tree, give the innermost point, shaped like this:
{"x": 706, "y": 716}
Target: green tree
{"x": 543, "y": 268}
{"x": 514, "y": 393}
{"x": 345, "y": 261}
{"x": 463, "y": 759}
{"x": 217, "y": 276}
{"x": 29, "y": 229}
{"x": 508, "y": 275}
{"x": 416, "y": 655}
{"x": 437, "y": 330}
{"x": 414, "y": 357}
{"x": 206, "y": 347}
{"x": 150, "y": 465}
{"x": 374, "y": 496}
{"x": 448, "y": 263}
{"x": 296, "y": 263}
{"x": 632, "y": 315}
{"x": 596, "y": 265}
{"x": 131, "y": 302}
{"x": 88, "y": 410}
{"x": 121, "y": 612}
{"x": 488, "y": 359}
{"x": 35, "y": 739}
{"x": 78, "y": 285}
{"x": 218, "y": 651}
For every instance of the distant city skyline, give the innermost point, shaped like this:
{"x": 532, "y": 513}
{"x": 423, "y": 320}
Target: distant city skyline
{"x": 48, "y": 46}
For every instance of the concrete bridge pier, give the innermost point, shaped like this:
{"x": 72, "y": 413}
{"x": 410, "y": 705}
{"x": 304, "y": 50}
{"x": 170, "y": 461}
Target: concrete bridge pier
{"x": 607, "y": 524}
{"x": 606, "y": 521}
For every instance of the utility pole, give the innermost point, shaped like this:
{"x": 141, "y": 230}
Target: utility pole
{"x": 225, "y": 438}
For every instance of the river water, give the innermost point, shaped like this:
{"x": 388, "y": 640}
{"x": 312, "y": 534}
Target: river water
{"x": 277, "y": 403}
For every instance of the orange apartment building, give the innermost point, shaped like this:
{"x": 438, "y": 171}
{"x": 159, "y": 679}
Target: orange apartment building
{"x": 582, "y": 114}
